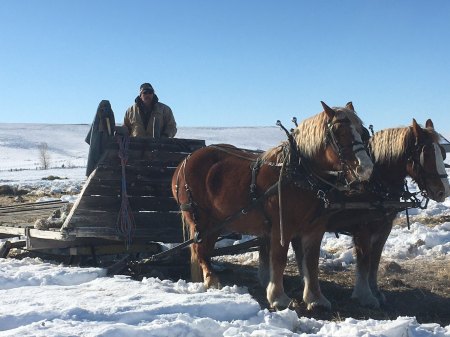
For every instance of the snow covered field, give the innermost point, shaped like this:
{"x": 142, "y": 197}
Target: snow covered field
{"x": 39, "y": 298}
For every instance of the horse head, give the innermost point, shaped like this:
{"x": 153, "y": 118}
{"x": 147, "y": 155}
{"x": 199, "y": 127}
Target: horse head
{"x": 425, "y": 162}
{"x": 344, "y": 147}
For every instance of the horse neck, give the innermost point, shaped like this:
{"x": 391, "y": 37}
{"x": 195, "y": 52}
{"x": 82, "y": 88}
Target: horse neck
{"x": 391, "y": 174}
{"x": 323, "y": 161}
{"x": 392, "y": 169}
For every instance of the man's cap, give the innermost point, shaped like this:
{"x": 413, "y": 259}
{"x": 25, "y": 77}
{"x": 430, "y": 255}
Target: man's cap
{"x": 146, "y": 87}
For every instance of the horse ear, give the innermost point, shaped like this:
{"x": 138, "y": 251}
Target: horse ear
{"x": 349, "y": 105}
{"x": 330, "y": 112}
{"x": 417, "y": 130}
{"x": 429, "y": 124}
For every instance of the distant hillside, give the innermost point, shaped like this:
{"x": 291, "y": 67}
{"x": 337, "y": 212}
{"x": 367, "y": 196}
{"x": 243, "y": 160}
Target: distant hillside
{"x": 66, "y": 142}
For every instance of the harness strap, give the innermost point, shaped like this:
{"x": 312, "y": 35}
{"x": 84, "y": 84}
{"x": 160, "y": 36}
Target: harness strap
{"x": 280, "y": 199}
{"x": 255, "y": 169}
{"x": 254, "y": 203}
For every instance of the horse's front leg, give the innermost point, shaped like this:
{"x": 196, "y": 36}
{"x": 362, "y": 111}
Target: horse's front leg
{"x": 275, "y": 290}
{"x": 363, "y": 249}
{"x": 312, "y": 294}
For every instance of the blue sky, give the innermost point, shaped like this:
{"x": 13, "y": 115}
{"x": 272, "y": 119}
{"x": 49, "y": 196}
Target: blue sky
{"x": 226, "y": 63}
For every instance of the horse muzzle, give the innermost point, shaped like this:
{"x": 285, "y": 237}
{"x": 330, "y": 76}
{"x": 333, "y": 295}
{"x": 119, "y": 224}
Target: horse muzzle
{"x": 365, "y": 167}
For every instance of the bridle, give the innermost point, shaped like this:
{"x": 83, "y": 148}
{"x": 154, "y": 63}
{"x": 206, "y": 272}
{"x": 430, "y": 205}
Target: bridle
{"x": 299, "y": 170}
{"x": 356, "y": 146}
{"x": 417, "y": 160}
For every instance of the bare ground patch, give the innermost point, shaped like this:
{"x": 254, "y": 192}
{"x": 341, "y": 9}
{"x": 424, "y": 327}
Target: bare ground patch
{"x": 418, "y": 288}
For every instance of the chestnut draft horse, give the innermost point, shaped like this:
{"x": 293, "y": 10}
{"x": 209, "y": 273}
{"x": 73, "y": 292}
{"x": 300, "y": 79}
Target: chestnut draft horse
{"x": 220, "y": 187}
{"x": 397, "y": 153}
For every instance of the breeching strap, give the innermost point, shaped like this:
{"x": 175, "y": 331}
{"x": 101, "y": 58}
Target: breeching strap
{"x": 126, "y": 225}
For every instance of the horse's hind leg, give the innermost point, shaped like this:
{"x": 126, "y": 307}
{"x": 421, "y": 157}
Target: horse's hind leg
{"x": 202, "y": 261}
{"x": 378, "y": 242}
{"x": 363, "y": 248}
{"x": 264, "y": 263}
{"x": 312, "y": 294}
{"x": 298, "y": 251}
{"x": 201, "y": 257}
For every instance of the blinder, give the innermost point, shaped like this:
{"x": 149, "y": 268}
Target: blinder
{"x": 420, "y": 149}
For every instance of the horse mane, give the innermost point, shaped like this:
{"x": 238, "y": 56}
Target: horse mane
{"x": 390, "y": 145}
{"x": 310, "y": 135}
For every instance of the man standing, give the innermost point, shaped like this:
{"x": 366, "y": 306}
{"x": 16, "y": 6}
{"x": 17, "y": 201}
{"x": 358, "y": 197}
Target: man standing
{"x": 148, "y": 117}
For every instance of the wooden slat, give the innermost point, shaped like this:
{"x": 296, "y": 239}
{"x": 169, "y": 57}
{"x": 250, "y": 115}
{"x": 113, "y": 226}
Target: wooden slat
{"x": 168, "y": 144}
{"x": 32, "y": 206}
{"x": 7, "y": 231}
{"x": 156, "y": 226}
{"x": 113, "y": 203}
{"x": 133, "y": 173}
{"x": 156, "y": 158}
{"x": 27, "y": 214}
{"x": 113, "y": 188}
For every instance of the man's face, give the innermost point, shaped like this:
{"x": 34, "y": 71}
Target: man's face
{"x": 147, "y": 97}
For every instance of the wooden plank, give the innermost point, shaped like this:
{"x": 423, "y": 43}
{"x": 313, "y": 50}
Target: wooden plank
{"x": 113, "y": 188}
{"x": 152, "y": 226}
{"x": 167, "y": 144}
{"x": 113, "y": 203}
{"x": 138, "y": 158}
{"x": 8, "y": 231}
{"x": 33, "y": 206}
{"x": 134, "y": 173}
{"x": 28, "y": 214}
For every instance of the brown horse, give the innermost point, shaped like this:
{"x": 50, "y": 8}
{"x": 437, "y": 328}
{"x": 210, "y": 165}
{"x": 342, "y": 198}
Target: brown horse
{"x": 223, "y": 188}
{"x": 397, "y": 152}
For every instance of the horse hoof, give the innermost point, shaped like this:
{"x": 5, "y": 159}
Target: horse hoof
{"x": 368, "y": 302}
{"x": 212, "y": 282}
{"x": 318, "y": 305}
{"x": 282, "y": 303}
{"x": 381, "y": 298}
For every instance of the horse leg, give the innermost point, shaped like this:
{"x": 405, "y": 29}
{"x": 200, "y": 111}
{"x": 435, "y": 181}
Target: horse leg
{"x": 312, "y": 294}
{"x": 379, "y": 241}
{"x": 204, "y": 251}
{"x": 201, "y": 257}
{"x": 363, "y": 248}
{"x": 275, "y": 290}
{"x": 264, "y": 263}
{"x": 298, "y": 251}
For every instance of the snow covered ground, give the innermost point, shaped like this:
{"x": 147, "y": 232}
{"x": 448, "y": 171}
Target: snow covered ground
{"x": 39, "y": 298}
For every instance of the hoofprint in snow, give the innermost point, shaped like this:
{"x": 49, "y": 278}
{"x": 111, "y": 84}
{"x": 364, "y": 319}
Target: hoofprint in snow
{"x": 39, "y": 298}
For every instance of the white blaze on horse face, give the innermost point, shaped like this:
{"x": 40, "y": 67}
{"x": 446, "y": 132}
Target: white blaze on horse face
{"x": 441, "y": 169}
{"x": 365, "y": 165}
